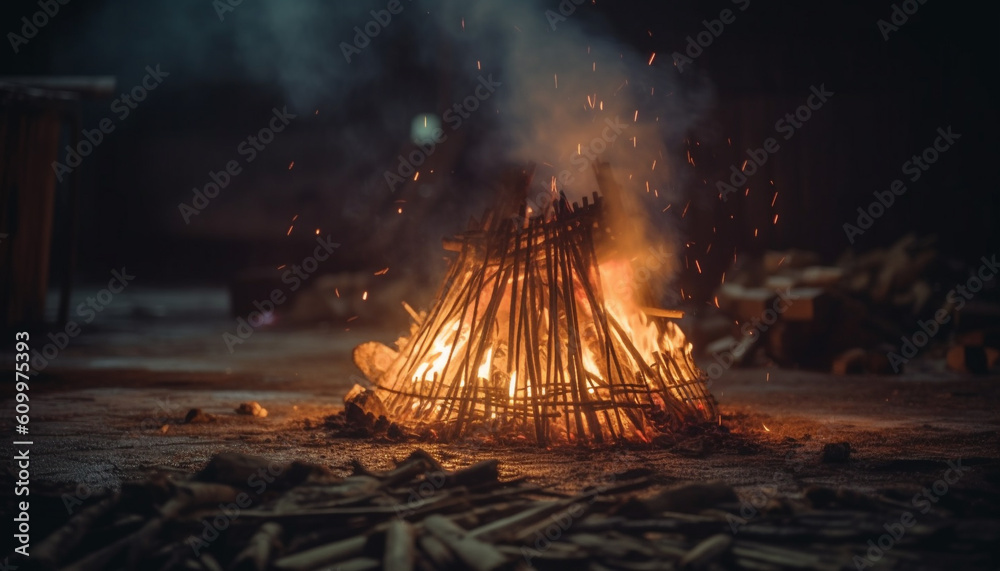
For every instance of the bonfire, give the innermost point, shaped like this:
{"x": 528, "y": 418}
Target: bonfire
{"x": 536, "y": 334}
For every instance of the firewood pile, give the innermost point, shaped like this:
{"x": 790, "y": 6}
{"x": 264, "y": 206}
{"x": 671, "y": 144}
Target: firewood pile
{"x": 789, "y": 309}
{"x": 245, "y": 513}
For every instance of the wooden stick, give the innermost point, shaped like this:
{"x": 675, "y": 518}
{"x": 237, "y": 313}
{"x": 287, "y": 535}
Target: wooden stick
{"x": 494, "y": 530}
{"x": 399, "y": 546}
{"x": 98, "y": 560}
{"x": 475, "y": 554}
{"x": 323, "y": 555}
{"x": 209, "y": 563}
{"x": 437, "y": 552}
{"x": 360, "y": 564}
{"x": 657, "y": 312}
{"x": 708, "y": 550}
{"x": 256, "y": 555}
{"x": 190, "y": 495}
{"x": 55, "y": 547}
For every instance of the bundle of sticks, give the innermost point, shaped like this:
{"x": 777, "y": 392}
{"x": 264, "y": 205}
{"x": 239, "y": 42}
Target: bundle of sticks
{"x": 244, "y": 513}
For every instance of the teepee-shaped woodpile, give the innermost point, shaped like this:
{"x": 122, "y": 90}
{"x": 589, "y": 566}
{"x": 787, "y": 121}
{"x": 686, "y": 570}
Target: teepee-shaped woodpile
{"x": 526, "y": 340}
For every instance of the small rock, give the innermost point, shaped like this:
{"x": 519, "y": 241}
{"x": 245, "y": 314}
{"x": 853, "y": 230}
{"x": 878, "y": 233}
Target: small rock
{"x": 366, "y": 399}
{"x": 836, "y": 453}
{"x": 252, "y": 408}
{"x": 198, "y": 416}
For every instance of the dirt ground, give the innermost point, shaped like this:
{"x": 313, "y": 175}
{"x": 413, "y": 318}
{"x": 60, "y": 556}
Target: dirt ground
{"x": 111, "y": 407}
{"x": 105, "y": 427}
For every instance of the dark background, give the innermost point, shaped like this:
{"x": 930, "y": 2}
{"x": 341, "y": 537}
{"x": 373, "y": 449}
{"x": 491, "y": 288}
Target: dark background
{"x": 938, "y": 70}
